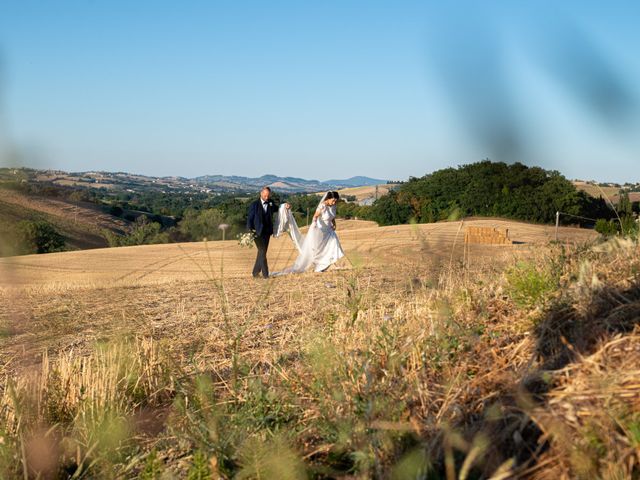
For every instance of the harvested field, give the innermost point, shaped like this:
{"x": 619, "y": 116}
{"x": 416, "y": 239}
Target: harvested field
{"x": 364, "y": 243}
{"x": 366, "y": 192}
{"x": 409, "y": 355}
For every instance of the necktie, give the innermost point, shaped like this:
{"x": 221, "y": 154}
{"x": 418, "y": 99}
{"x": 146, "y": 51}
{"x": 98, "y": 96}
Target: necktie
{"x": 264, "y": 206}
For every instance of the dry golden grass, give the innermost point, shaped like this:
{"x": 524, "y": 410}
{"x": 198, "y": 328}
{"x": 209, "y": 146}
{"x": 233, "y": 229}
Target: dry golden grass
{"x": 593, "y": 414}
{"x": 363, "y": 242}
{"x": 415, "y": 355}
{"x": 596, "y": 191}
{"x": 612, "y": 194}
{"x": 366, "y": 192}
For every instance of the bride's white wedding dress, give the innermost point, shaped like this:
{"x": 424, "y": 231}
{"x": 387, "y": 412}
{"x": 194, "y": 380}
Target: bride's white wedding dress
{"x": 320, "y": 248}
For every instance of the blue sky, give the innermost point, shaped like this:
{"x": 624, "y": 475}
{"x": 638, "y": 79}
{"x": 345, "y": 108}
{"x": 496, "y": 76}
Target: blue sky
{"x": 320, "y": 89}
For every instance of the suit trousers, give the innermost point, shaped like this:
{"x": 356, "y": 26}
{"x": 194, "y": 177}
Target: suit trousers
{"x": 261, "y": 265}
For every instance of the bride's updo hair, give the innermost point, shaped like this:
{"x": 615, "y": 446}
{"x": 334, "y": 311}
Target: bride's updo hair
{"x": 335, "y": 195}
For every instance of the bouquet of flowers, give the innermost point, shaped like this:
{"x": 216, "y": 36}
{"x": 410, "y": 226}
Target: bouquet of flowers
{"x": 246, "y": 239}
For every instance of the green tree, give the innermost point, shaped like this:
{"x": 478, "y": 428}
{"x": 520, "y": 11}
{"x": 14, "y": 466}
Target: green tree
{"x": 607, "y": 227}
{"x": 38, "y": 237}
{"x": 388, "y": 210}
{"x": 485, "y": 188}
{"x": 144, "y": 232}
{"x": 198, "y": 225}
{"x": 624, "y": 204}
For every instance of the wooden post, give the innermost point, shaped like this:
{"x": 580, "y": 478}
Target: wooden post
{"x": 223, "y": 227}
{"x": 557, "y": 224}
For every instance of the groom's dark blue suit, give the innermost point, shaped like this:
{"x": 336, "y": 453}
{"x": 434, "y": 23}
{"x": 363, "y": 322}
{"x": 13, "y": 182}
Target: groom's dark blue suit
{"x": 260, "y": 220}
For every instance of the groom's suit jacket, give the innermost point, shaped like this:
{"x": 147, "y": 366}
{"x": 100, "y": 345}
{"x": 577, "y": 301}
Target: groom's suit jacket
{"x": 259, "y": 220}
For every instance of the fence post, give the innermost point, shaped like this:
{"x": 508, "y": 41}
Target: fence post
{"x": 557, "y": 224}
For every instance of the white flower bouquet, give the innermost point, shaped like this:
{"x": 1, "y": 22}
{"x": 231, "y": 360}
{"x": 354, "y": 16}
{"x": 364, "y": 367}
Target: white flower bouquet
{"x": 246, "y": 239}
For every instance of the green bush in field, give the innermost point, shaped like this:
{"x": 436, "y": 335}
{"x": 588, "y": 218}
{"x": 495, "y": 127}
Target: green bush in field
{"x": 606, "y": 227}
{"x": 145, "y": 232}
{"x": 152, "y": 467}
{"x": 199, "y": 469}
{"x": 626, "y": 226}
{"x": 629, "y": 226}
{"x": 529, "y": 285}
{"x": 198, "y": 225}
{"x": 28, "y": 236}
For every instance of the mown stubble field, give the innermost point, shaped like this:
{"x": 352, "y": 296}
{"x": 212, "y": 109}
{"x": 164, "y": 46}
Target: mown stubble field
{"x": 392, "y": 304}
{"x": 72, "y": 299}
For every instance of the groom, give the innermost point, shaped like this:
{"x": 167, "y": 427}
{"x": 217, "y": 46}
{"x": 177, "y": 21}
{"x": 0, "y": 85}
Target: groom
{"x": 260, "y": 221}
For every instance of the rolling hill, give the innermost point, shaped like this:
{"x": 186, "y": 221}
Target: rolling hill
{"x": 611, "y": 193}
{"x": 80, "y": 223}
{"x": 122, "y": 181}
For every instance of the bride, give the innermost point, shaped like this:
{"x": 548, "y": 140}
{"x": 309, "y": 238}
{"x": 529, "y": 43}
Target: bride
{"x": 321, "y": 247}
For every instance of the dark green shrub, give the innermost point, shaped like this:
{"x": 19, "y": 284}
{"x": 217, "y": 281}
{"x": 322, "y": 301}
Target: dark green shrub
{"x": 145, "y": 232}
{"x": 38, "y": 237}
{"x": 606, "y": 227}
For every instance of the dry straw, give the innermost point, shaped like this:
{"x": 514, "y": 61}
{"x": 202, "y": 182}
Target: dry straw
{"x": 423, "y": 366}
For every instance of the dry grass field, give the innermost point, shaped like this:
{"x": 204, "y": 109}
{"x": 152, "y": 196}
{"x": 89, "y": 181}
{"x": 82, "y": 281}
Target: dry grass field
{"x": 363, "y": 241}
{"x": 168, "y": 276}
{"x": 596, "y": 191}
{"x": 414, "y": 357}
{"x": 366, "y": 192}
{"x": 610, "y": 193}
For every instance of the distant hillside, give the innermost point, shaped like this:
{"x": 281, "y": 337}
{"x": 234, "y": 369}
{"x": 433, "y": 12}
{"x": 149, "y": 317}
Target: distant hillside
{"x": 81, "y": 224}
{"x": 356, "y": 182}
{"x": 366, "y": 195}
{"x": 129, "y": 182}
{"x": 285, "y": 184}
{"x": 83, "y": 206}
{"x": 611, "y": 192}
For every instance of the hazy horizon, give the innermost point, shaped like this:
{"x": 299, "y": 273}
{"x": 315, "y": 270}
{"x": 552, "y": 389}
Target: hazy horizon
{"x": 309, "y": 179}
{"x": 320, "y": 91}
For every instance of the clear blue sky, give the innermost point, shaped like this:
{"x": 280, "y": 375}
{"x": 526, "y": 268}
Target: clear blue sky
{"x": 321, "y": 89}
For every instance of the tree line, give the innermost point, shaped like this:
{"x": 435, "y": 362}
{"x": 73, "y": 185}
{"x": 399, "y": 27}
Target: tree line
{"x": 486, "y": 188}
{"x": 490, "y": 189}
